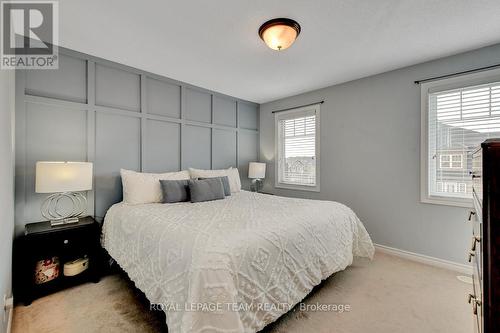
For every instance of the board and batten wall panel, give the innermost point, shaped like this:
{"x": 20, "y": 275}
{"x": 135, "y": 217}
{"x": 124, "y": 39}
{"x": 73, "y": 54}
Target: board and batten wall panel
{"x": 47, "y": 140}
{"x": 198, "y": 105}
{"x": 223, "y": 148}
{"x": 162, "y": 150}
{"x": 196, "y": 147}
{"x": 67, "y": 83}
{"x": 118, "y": 117}
{"x": 163, "y": 98}
{"x": 225, "y": 111}
{"x": 117, "y": 88}
{"x": 248, "y": 116}
{"x": 118, "y": 146}
{"x": 248, "y": 147}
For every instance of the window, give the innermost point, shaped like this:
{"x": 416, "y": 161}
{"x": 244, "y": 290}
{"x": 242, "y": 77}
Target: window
{"x": 450, "y": 161}
{"x": 297, "y": 148}
{"x": 457, "y": 115}
{"x": 451, "y": 187}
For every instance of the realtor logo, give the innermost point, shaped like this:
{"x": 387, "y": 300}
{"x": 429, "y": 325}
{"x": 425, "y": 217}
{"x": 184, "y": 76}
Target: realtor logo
{"x": 29, "y": 35}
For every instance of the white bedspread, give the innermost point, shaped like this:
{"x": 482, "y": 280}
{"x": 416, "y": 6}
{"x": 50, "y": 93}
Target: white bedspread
{"x": 232, "y": 265}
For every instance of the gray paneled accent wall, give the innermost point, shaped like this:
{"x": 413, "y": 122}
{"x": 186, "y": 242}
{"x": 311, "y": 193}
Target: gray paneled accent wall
{"x": 116, "y": 116}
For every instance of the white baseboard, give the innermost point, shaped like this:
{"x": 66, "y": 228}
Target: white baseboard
{"x": 454, "y": 266}
{"x": 9, "y": 320}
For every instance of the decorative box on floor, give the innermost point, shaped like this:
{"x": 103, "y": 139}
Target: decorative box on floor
{"x": 51, "y": 258}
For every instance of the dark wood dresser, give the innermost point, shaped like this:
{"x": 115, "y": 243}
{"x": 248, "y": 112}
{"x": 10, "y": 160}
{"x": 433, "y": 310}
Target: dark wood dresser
{"x": 485, "y": 249}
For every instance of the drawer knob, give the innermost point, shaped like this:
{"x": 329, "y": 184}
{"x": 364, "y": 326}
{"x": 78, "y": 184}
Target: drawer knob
{"x": 475, "y": 240}
{"x": 471, "y": 213}
{"x": 471, "y": 254}
{"x": 470, "y": 298}
{"x": 475, "y": 304}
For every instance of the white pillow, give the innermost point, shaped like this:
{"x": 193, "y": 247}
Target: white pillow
{"x": 142, "y": 188}
{"x": 232, "y": 174}
{"x": 234, "y": 179}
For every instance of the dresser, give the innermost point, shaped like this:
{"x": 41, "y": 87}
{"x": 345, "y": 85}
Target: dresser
{"x": 485, "y": 247}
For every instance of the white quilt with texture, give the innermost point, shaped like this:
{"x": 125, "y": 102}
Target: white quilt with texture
{"x": 232, "y": 265}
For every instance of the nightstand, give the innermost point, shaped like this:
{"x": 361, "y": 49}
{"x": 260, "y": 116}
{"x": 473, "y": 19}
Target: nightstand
{"x": 41, "y": 243}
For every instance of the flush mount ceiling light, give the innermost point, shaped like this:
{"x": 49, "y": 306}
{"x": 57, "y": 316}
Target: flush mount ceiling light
{"x": 279, "y": 33}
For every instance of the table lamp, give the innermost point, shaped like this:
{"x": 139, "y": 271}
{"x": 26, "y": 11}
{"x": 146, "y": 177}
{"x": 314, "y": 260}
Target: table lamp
{"x": 257, "y": 172}
{"x": 65, "y": 181}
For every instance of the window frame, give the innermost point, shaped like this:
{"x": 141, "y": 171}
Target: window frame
{"x": 426, "y": 88}
{"x": 290, "y": 114}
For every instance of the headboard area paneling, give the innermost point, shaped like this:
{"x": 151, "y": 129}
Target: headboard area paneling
{"x": 115, "y": 116}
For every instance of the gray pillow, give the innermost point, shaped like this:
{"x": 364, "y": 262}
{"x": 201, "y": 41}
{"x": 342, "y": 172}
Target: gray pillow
{"x": 225, "y": 184}
{"x": 175, "y": 190}
{"x": 206, "y": 189}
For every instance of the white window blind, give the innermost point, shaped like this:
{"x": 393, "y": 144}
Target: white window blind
{"x": 297, "y": 147}
{"x": 458, "y": 121}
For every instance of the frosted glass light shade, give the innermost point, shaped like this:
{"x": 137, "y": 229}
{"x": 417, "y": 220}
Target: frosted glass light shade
{"x": 279, "y": 37}
{"x": 256, "y": 170}
{"x": 57, "y": 177}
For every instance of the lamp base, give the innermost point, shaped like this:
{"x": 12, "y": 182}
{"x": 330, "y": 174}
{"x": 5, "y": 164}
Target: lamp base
{"x": 256, "y": 185}
{"x": 55, "y": 223}
{"x": 58, "y": 214}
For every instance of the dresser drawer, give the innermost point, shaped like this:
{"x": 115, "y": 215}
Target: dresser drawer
{"x": 477, "y": 279}
{"x": 475, "y": 247}
{"x": 477, "y": 318}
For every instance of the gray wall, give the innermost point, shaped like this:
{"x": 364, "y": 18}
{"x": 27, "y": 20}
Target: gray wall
{"x": 370, "y": 156}
{"x": 94, "y": 110}
{"x": 6, "y": 186}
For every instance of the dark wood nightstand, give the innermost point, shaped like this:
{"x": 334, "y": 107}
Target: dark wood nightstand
{"x": 68, "y": 242}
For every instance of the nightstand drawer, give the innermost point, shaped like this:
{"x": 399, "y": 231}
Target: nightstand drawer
{"x": 67, "y": 244}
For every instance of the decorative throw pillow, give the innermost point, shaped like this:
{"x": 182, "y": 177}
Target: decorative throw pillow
{"x": 225, "y": 184}
{"x": 232, "y": 174}
{"x": 143, "y": 188}
{"x": 206, "y": 189}
{"x": 175, "y": 190}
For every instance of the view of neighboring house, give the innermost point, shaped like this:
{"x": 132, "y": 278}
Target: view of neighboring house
{"x": 300, "y": 169}
{"x": 452, "y": 171}
{"x": 453, "y": 159}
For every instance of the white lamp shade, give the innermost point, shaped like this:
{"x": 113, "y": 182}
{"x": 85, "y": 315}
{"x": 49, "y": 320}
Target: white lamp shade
{"x": 257, "y": 170}
{"x": 57, "y": 177}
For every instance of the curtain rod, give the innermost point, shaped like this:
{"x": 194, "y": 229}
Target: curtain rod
{"x": 296, "y": 107}
{"x": 457, "y": 74}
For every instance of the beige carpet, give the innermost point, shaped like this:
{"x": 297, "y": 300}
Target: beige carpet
{"x": 388, "y": 294}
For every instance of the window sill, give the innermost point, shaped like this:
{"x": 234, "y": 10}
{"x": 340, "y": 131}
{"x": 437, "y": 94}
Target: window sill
{"x": 455, "y": 202}
{"x": 297, "y": 187}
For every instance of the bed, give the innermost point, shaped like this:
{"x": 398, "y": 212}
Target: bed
{"x": 232, "y": 265}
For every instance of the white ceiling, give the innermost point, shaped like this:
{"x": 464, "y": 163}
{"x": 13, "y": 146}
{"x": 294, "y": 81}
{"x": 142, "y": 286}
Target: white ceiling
{"x": 215, "y": 45}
